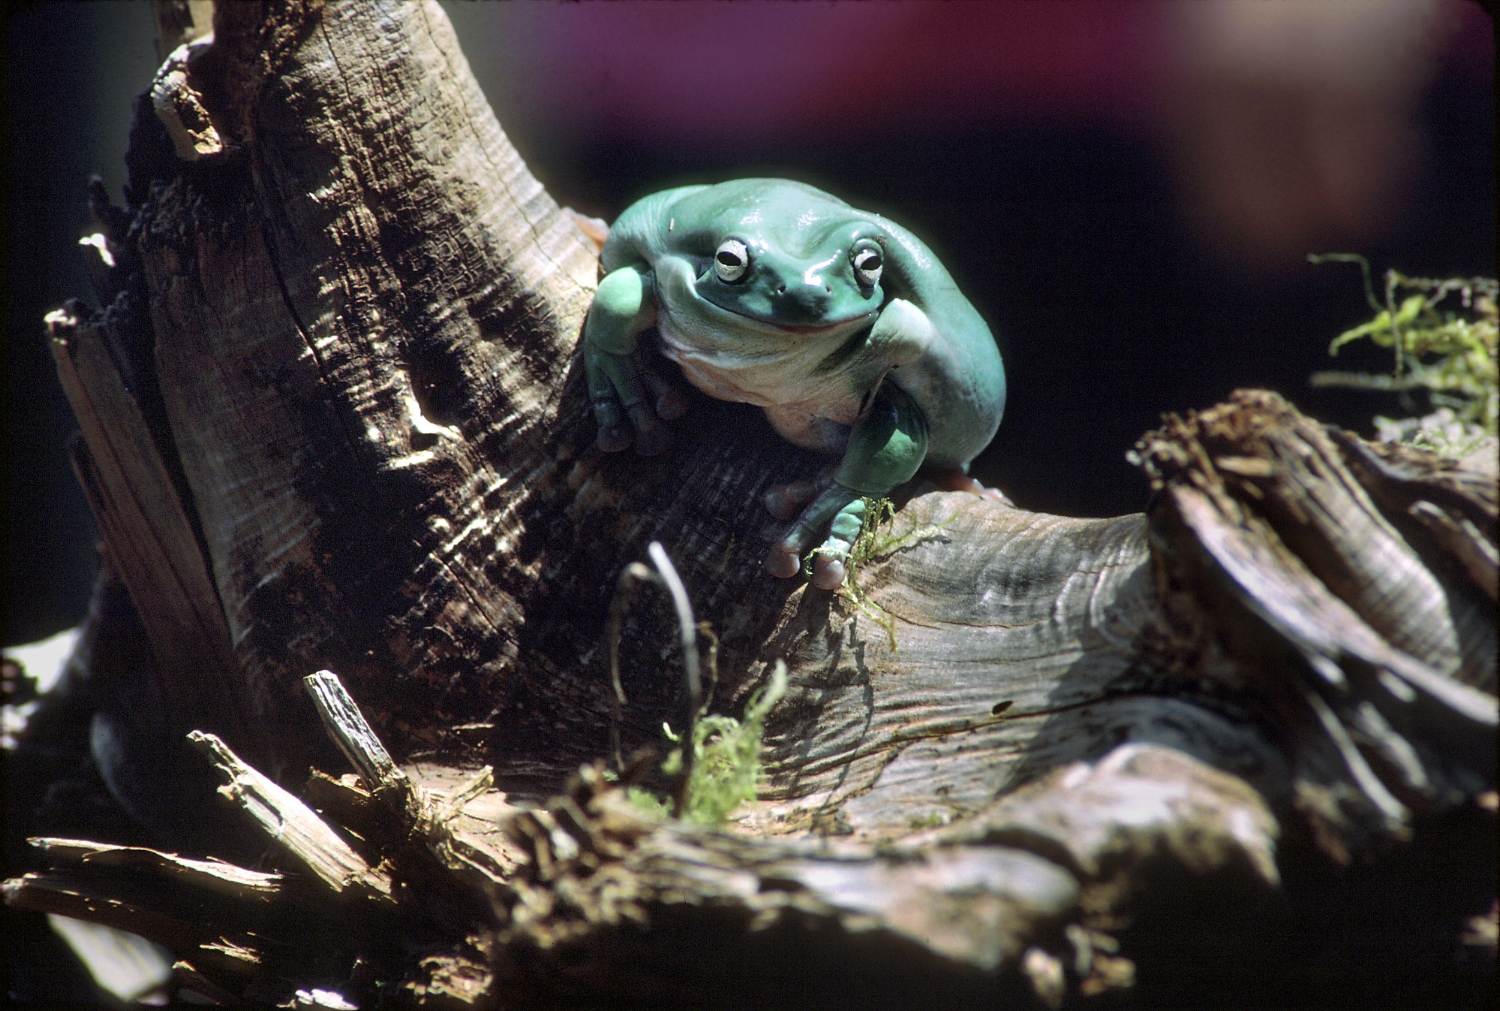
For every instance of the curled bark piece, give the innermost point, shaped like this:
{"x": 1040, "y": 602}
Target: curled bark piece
{"x": 1458, "y": 505}
{"x": 1459, "y": 536}
{"x": 1304, "y": 492}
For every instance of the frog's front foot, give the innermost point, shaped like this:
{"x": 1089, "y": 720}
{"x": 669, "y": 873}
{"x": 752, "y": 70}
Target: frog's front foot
{"x": 630, "y": 400}
{"x": 835, "y": 510}
{"x": 635, "y": 418}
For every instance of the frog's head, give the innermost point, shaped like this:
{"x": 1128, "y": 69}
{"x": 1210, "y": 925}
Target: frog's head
{"x": 785, "y": 256}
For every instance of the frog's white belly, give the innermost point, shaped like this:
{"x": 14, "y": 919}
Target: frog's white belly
{"x": 811, "y": 411}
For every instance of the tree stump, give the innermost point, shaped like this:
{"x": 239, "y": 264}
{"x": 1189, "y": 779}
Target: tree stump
{"x": 333, "y": 418}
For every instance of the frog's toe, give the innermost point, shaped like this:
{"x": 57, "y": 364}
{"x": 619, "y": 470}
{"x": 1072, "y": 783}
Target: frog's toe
{"x": 828, "y": 572}
{"x": 785, "y": 559}
{"x": 615, "y": 438}
{"x": 957, "y": 480}
{"x": 652, "y": 441}
{"x": 783, "y": 564}
{"x": 649, "y": 435}
{"x": 614, "y": 434}
{"x": 830, "y": 565}
{"x": 783, "y": 500}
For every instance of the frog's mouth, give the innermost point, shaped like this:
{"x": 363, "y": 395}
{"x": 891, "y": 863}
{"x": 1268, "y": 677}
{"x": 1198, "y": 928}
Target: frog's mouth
{"x": 802, "y": 330}
{"x": 864, "y": 317}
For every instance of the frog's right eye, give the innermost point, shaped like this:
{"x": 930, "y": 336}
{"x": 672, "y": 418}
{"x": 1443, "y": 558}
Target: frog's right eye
{"x": 732, "y": 260}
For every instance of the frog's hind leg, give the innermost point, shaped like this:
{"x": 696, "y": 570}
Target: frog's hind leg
{"x": 886, "y": 446}
{"x": 835, "y": 517}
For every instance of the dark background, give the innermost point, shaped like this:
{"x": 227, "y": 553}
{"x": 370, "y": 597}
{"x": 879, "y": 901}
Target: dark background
{"x": 1125, "y": 194}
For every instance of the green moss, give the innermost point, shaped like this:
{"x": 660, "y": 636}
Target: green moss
{"x": 648, "y": 802}
{"x": 933, "y": 819}
{"x": 1444, "y": 349}
{"x": 726, "y": 759}
{"x": 877, "y": 539}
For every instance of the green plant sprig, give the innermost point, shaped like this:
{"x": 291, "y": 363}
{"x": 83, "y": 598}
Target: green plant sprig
{"x": 1449, "y": 351}
{"x": 876, "y": 539}
{"x": 726, "y": 759}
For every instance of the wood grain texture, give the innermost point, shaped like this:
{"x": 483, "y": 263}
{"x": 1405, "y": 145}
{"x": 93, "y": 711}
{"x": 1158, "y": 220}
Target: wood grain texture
{"x": 148, "y": 530}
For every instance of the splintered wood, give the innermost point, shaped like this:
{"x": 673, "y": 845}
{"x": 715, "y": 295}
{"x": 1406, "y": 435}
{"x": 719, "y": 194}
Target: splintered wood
{"x": 1318, "y": 552}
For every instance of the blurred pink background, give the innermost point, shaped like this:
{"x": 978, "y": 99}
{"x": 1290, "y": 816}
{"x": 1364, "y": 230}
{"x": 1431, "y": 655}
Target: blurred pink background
{"x": 1289, "y": 125}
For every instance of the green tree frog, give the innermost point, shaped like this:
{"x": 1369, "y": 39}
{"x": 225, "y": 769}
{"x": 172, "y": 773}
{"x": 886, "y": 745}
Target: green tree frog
{"x": 840, "y": 324}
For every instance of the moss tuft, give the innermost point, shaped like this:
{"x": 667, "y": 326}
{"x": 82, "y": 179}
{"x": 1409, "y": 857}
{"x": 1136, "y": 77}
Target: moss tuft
{"x": 1445, "y": 349}
{"x": 877, "y": 539}
{"x": 726, "y": 759}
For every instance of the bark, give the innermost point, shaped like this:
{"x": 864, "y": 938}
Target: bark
{"x": 334, "y": 418}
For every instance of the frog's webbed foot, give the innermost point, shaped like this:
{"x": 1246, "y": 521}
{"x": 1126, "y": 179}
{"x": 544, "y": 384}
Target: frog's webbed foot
{"x": 630, "y": 400}
{"x": 835, "y": 510}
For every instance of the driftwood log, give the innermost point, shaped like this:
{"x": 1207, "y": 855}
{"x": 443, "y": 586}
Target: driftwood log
{"x": 333, "y": 420}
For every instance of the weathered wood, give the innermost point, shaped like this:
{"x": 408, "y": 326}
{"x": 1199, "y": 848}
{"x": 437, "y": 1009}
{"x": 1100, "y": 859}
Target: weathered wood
{"x": 423, "y": 419}
{"x": 148, "y": 531}
{"x": 215, "y": 875}
{"x": 347, "y": 726}
{"x": 1269, "y": 548}
{"x": 294, "y": 826}
{"x": 363, "y": 316}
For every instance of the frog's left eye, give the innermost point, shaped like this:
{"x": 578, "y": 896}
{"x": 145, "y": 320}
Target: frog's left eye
{"x": 867, "y": 265}
{"x": 731, "y": 260}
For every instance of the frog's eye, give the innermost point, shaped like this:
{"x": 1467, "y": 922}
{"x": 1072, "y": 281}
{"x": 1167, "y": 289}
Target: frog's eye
{"x": 867, "y": 264}
{"x": 732, "y": 260}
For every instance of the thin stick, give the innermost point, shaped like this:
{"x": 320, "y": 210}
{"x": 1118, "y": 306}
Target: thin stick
{"x": 686, "y": 626}
{"x": 634, "y": 573}
{"x": 665, "y": 576}
{"x": 707, "y": 631}
{"x": 357, "y": 740}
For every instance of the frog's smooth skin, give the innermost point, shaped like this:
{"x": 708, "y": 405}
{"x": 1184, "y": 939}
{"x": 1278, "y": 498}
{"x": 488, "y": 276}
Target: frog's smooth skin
{"x": 840, "y": 324}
